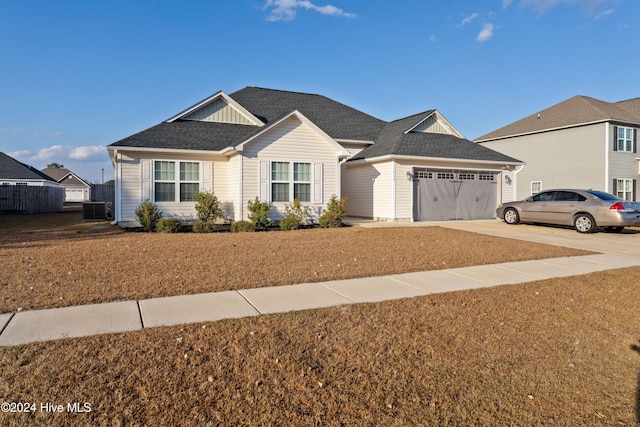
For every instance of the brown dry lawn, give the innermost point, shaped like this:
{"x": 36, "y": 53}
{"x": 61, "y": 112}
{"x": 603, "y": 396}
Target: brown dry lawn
{"x": 554, "y": 352}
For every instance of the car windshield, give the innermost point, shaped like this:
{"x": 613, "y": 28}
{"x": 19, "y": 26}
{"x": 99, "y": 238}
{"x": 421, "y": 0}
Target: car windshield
{"x": 604, "y": 196}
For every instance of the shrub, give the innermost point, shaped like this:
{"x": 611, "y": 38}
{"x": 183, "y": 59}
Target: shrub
{"x": 169, "y": 225}
{"x": 242, "y": 226}
{"x": 335, "y": 212}
{"x": 295, "y": 216}
{"x": 259, "y": 213}
{"x": 148, "y": 215}
{"x": 289, "y": 223}
{"x": 208, "y": 207}
{"x": 203, "y": 227}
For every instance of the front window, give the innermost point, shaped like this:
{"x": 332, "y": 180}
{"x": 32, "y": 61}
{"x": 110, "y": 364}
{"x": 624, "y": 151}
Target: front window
{"x": 625, "y": 189}
{"x": 536, "y": 187}
{"x": 624, "y": 139}
{"x": 290, "y": 180}
{"x": 171, "y": 185}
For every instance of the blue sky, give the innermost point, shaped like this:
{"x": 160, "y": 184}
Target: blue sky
{"x": 78, "y": 75}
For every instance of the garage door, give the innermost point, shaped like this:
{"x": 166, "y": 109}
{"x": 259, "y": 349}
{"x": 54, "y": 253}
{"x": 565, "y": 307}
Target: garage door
{"x": 454, "y": 195}
{"x": 74, "y": 195}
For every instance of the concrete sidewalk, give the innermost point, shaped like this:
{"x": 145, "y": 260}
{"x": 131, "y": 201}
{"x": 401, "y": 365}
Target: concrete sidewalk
{"x": 43, "y": 325}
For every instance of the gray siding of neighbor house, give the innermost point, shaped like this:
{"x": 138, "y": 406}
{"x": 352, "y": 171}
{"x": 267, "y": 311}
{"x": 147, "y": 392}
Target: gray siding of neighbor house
{"x": 573, "y": 158}
{"x": 622, "y": 164}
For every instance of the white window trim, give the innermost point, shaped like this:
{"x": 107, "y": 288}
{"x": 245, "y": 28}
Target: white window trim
{"x": 532, "y": 184}
{"x": 624, "y": 189}
{"x": 291, "y": 181}
{"x": 627, "y": 143}
{"x": 176, "y": 180}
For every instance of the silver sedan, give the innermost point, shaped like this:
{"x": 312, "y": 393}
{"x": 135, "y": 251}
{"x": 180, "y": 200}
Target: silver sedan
{"x": 585, "y": 210}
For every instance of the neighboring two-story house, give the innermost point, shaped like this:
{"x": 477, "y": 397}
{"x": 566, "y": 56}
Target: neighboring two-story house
{"x": 579, "y": 143}
{"x": 279, "y": 145}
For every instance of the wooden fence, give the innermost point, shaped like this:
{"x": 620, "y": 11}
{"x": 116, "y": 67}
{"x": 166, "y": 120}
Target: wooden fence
{"x": 104, "y": 193}
{"x": 28, "y": 199}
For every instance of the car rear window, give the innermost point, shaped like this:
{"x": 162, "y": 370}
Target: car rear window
{"x": 604, "y": 196}
{"x": 569, "y": 196}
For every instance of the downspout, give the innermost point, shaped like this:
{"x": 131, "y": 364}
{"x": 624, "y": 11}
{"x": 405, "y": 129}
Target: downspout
{"x": 116, "y": 210}
{"x": 517, "y": 170}
{"x": 606, "y": 157}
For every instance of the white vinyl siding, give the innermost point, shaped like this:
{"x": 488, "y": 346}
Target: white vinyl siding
{"x": 290, "y": 142}
{"x": 368, "y": 189}
{"x": 137, "y": 183}
{"x": 570, "y": 158}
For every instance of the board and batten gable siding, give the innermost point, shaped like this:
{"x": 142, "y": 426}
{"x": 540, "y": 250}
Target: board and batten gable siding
{"x": 368, "y": 189}
{"x": 136, "y": 183}
{"x": 432, "y": 125}
{"x": 571, "y": 158}
{"x": 218, "y": 111}
{"x": 290, "y": 141}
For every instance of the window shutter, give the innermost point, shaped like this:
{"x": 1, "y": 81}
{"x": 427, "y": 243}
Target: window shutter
{"x": 207, "y": 176}
{"x": 635, "y": 140}
{"x": 635, "y": 190}
{"x": 317, "y": 183}
{"x": 615, "y": 138}
{"x": 147, "y": 183}
{"x": 264, "y": 182}
{"x": 614, "y": 190}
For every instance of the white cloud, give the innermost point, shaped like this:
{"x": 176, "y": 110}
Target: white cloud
{"x": 604, "y": 13}
{"x": 20, "y": 154}
{"x": 590, "y": 6}
{"x": 468, "y": 19}
{"x": 87, "y": 152}
{"x": 432, "y": 38}
{"x": 285, "y": 10}
{"x": 486, "y": 33}
{"x": 506, "y": 3}
{"x": 49, "y": 153}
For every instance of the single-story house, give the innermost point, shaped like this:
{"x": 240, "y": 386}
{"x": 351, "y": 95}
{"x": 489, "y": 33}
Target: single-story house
{"x": 76, "y": 189}
{"x": 13, "y": 172}
{"x": 581, "y": 142}
{"x": 279, "y": 145}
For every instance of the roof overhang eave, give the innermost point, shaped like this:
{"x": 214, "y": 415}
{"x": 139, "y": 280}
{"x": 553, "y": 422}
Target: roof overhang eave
{"x": 112, "y": 149}
{"x": 389, "y": 157}
{"x": 480, "y": 141}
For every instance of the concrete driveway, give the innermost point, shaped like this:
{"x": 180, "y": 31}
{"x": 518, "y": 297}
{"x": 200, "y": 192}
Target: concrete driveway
{"x": 626, "y": 243}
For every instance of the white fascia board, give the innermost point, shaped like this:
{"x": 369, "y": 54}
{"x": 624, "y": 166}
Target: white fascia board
{"x": 443, "y": 121}
{"x": 230, "y": 101}
{"x": 341, "y": 151}
{"x": 389, "y": 157}
{"x": 168, "y": 150}
{"x": 355, "y": 141}
{"x": 419, "y": 122}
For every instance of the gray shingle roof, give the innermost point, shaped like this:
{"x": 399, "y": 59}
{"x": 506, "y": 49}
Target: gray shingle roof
{"x": 337, "y": 120}
{"x": 572, "y": 112}
{"x": 189, "y": 135}
{"x": 10, "y": 168}
{"x": 393, "y": 140}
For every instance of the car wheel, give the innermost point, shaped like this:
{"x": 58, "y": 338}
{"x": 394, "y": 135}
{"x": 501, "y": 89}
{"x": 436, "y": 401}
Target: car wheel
{"x": 584, "y": 223}
{"x": 511, "y": 216}
{"x": 615, "y": 229}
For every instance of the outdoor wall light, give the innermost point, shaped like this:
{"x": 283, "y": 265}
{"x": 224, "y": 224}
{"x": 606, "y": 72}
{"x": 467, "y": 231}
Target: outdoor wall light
{"x": 507, "y": 179}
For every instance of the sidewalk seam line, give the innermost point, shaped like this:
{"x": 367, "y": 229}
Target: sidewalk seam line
{"x": 248, "y": 302}
{"x": 140, "y": 314}
{"x": 6, "y": 324}
{"x": 338, "y": 293}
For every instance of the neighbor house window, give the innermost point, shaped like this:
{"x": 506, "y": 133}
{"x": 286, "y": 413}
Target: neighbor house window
{"x": 624, "y": 139}
{"x": 536, "y": 187}
{"x": 290, "y": 180}
{"x": 624, "y": 189}
{"x": 171, "y": 185}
